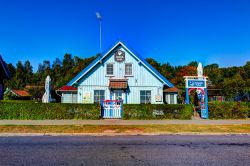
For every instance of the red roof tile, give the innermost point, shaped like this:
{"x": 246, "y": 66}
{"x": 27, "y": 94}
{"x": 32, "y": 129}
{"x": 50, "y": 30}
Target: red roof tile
{"x": 21, "y": 93}
{"x": 173, "y": 89}
{"x": 67, "y": 88}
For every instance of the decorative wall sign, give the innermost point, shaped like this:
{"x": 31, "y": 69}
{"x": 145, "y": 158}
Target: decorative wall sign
{"x": 86, "y": 97}
{"x": 158, "y": 98}
{"x": 120, "y": 56}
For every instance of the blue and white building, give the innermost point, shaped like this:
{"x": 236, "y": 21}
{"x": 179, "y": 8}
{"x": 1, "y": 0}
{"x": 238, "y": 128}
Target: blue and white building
{"x": 121, "y": 74}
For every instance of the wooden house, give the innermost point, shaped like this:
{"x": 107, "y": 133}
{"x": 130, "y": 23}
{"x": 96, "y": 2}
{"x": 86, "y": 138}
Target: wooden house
{"x": 120, "y": 74}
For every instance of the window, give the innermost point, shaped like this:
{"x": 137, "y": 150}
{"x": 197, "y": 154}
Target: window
{"x": 110, "y": 69}
{"x": 99, "y": 95}
{"x": 145, "y": 97}
{"x": 171, "y": 99}
{"x": 128, "y": 69}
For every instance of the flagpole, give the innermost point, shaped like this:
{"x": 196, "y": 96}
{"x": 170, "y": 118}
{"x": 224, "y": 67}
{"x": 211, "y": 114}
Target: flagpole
{"x": 99, "y": 17}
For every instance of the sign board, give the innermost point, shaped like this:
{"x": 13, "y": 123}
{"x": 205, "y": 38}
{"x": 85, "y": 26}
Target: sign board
{"x": 158, "y": 98}
{"x": 120, "y": 56}
{"x": 86, "y": 97}
{"x": 196, "y": 83}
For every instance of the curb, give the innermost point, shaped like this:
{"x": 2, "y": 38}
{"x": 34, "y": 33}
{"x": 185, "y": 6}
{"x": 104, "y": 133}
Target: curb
{"x": 118, "y": 134}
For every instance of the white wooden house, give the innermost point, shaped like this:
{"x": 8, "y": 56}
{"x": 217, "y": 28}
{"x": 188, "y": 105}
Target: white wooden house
{"x": 120, "y": 74}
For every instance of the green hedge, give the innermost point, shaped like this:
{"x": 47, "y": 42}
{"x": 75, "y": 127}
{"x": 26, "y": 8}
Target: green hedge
{"x": 229, "y": 110}
{"x": 40, "y": 111}
{"x": 156, "y": 111}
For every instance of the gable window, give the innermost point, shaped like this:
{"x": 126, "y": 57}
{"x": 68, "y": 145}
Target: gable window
{"x": 110, "y": 69}
{"x": 145, "y": 96}
{"x": 128, "y": 69}
{"x": 99, "y": 95}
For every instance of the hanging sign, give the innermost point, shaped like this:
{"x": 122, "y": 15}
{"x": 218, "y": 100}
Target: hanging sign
{"x": 120, "y": 56}
{"x": 196, "y": 84}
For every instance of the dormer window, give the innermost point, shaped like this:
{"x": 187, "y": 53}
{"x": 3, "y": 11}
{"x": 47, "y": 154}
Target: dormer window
{"x": 128, "y": 69}
{"x": 110, "y": 69}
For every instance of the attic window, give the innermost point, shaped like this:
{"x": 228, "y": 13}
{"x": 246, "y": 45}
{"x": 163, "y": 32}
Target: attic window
{"x": 110, "y": 69}
{"x": 128, "y": 69}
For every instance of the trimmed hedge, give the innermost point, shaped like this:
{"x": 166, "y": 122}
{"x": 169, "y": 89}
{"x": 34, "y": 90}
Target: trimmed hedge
{"x": 229, "y": 110}
{"x": 157, "y": 111}
{"x": 40, "y": 111}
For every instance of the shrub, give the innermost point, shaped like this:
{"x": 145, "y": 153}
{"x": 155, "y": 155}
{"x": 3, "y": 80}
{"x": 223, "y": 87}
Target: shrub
{"x": 156, "y": 111}
{"x": 40, "y": 111}
{"x": 228, "y": 110}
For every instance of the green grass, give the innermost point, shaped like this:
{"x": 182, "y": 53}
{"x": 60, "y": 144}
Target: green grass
{"x": 171, "y": 128}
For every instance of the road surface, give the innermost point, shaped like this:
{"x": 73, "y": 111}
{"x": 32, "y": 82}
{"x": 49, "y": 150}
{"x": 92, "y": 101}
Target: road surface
{"x": 126, "y": 150}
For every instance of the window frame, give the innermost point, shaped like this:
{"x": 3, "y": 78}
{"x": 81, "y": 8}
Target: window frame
{"x": 131, "y": 69}
{"x": 146, "y": 101}
{"x": 171, "y": 98}
{"x": 107, "y": 74}
{"x": 99, "y": 95}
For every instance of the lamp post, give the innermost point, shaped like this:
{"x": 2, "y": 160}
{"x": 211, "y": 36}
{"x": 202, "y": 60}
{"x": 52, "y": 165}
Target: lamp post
{"x": 99, "y": 17}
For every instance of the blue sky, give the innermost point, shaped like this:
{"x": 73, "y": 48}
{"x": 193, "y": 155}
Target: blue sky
{"x": 174, "y": 31}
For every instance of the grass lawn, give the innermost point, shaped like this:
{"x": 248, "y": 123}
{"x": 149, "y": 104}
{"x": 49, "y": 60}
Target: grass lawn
{"x": 171, "y": 128}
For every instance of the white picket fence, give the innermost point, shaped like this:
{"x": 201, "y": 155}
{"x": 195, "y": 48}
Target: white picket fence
{"x": 111, "y": 109}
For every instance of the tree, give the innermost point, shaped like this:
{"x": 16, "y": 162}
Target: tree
{"x": 68, "y": 63}
{"x": 193, "y": 63}
{"x": 214, "y": 74}
{"x": 28, "y": 72}
{"x": 154, "y": 63}
{"x": 56, "y": 72}
{"x": 168, "y": 71}
{"x": 19, "y": 80}
{"x": 234, "y": 86}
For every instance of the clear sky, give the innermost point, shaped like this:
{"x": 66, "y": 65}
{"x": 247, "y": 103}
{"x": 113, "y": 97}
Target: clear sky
{"x": 174, "y": 31}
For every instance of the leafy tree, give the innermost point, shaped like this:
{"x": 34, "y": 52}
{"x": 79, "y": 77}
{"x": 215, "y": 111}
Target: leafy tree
{"x": 28, "y": 72}
{"x": 154, "y": 63}
{"x": 19, "y": 80}
{"x": 193, "y": 63}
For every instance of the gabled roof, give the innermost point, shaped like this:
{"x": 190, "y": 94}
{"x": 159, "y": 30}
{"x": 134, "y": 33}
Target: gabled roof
{"x": 173, "y": 89}
{"x": 140, "y": 59}
{"x": 21, "y": 93}
{"x": 5, "y": 69}
{"x": 67, "y": 88}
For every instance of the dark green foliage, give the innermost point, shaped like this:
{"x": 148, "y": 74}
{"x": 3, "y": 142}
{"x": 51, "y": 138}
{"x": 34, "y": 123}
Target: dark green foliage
{"x": 40, "y": 111}
{"x": 229, "y": 110}
{"x": 156, "y": 111}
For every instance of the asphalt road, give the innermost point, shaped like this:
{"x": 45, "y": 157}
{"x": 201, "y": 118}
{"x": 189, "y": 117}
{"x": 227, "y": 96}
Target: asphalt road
{"x": 126, "y": 150}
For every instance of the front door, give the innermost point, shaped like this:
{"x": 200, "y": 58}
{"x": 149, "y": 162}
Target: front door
{"x": 118, "y": 95}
